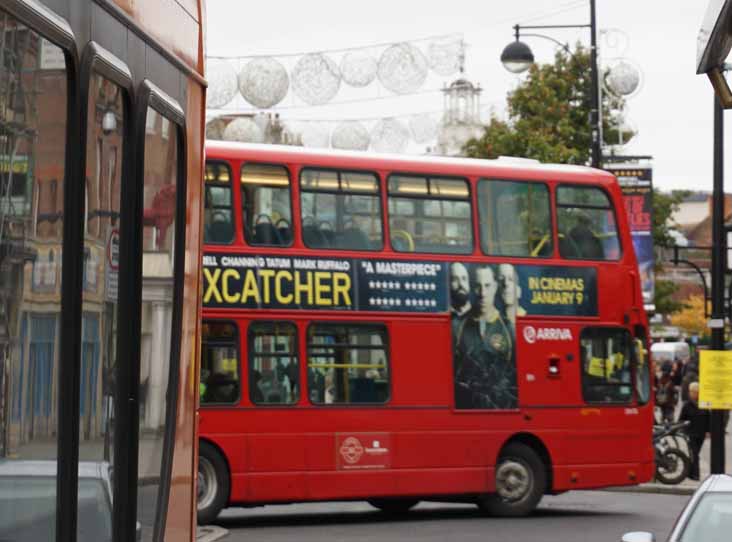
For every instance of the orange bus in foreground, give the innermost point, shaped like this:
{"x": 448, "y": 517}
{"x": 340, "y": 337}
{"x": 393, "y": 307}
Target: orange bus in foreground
{"x": 101, "y": 154}
{"x": 397, "y": 329}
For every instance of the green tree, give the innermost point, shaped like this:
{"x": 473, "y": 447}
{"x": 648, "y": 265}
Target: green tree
{"x": 548, "y": 115}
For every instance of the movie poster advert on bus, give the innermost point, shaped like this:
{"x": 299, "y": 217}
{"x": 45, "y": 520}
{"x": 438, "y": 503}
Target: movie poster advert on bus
{"x": 485, "y": 301}
{"x": 636, "y": 182}
{"x": 295, "y": 282}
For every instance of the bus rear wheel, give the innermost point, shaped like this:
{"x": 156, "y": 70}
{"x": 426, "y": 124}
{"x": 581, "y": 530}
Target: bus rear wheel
{"x": 213, "y": 483}
{"x": 394, "y": 506}
{"x": 520, "y": 482}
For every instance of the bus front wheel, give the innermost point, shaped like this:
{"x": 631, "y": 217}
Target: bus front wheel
{"x": 520, "y": 482}
{"x": 213, "y": 483}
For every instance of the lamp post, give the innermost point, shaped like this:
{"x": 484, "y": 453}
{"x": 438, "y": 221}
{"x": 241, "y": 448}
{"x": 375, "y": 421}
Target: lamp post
{"x": 517, "y": 57}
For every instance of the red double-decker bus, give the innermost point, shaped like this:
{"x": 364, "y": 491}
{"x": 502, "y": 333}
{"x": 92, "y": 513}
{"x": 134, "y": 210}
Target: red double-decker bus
{"x": 400, "y": 329}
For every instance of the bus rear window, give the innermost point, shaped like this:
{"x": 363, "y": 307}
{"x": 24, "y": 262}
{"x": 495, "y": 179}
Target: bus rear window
{"x": 265, "y": 200}
{"x": 428, "y": 214}
{"x": 586, "y": 223}
{"x": 347, "y": 364}
{"x": 515, "y": 219}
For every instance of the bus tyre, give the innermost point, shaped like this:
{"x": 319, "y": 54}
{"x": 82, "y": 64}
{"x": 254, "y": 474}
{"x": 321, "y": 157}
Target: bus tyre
{"x": 520, "y": 482}
{"x": 213, "y": 483}
{"x": 394, "y": 507}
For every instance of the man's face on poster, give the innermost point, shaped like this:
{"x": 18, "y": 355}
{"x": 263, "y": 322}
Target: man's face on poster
{"x": 507, "y": 278}
{"x": 459, "y": 284}
{"x": 485, "y": 288}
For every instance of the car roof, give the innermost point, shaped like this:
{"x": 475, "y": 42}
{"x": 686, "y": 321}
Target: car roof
{"x": 718, "y": 483}
{"x": 22, "y": 467}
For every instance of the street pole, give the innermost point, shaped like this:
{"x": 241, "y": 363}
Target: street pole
{"x": 596, "y": 132}
{"x": 718, "y": 265}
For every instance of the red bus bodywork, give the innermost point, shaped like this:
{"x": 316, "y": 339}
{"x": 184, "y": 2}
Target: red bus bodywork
{"x": 281, "y": 454}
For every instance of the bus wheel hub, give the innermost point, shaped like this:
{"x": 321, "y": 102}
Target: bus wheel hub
{"x": 513, "y": 480}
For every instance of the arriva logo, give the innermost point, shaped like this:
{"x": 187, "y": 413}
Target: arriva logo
{"x": 532, "y": 334}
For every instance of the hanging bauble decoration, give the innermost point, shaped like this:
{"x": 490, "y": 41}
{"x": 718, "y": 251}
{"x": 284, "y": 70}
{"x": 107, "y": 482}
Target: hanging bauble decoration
{"x": 622, "y": 78}
{"x": 315, "y": 79}
{"x": 263, "y": 82}
{"x": 244, "y": 130}
{"x": 222, "y": 84}
{"x": 389, "y": 135}
{"x": 445, "y": 56}
{"x": 315, "y": 134}
{"x": 215, "y": 128}
{"x": 423, "y": 127}
{"x": 350, "y": 135}
{"x": 358, "y": 68}
{"x": 402, "y": 68}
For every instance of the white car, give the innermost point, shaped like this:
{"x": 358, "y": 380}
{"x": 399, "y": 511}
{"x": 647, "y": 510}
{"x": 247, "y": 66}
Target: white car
{"x": 28, "y": 501}
{"x": 707, "y": 517}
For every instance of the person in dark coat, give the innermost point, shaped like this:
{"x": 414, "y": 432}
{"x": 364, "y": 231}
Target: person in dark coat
{"x": 698, "y": 427}
{"x": 666, "y": 396}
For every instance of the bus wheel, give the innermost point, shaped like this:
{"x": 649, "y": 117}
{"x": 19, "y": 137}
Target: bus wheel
{"x": 394, "y": 506}
{"x": 213, "y": 483}
{"x": 520, "y": 482}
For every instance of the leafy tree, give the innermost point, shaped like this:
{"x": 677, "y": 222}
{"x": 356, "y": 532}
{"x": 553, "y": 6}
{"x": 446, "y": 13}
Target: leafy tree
{"x": 548, "y": 115}
{"x": 691, "y": 317}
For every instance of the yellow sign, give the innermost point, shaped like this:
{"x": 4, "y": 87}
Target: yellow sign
{"x": 715, "y": 379}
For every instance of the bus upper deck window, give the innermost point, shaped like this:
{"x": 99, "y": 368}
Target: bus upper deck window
{"x": 515, "y": 218}
{"x": 265, "y": 200}
{"x": 586, "y": 223}
{"x": 340, "y": 209}
{"x": 217, "y": 216}
{"x": 428, "y": 214}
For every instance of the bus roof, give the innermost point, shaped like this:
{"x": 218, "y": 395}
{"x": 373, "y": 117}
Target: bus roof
{"x": 444, "y": 165}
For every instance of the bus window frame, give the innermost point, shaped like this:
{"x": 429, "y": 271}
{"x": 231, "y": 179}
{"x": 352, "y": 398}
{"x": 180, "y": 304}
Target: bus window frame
{"x": 632, "y": 397}
{"x": 96, "y": 60}
{"x": 552, "y": 225}
{"x": 236, "y": 340}
{"x": 611, "y": 208}
{"x": 49, "y": 25}
{"x": 206, "y": 184}
{"x": 151, "y": 96}
{"x": 336, "y": 192}
{"x": 250, "y": 350}
{"x": 427, "y": 177}
{"x": 240, "y": 211}
{"x": 386, "y": 348}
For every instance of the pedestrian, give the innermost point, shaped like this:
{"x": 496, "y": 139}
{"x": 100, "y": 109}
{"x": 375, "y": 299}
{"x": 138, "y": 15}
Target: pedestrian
{"x": 666, "y": 395}
{"x": 698, "y": 427}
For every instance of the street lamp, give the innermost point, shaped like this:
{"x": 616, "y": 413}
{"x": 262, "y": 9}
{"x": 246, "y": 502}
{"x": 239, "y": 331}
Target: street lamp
{"x": 517, "y": 57}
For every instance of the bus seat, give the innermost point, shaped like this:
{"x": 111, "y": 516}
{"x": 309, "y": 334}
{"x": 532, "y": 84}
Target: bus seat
{"x": 363, "y": 390}
{"x": 313, "y": 237}
{"x": 266, "y": 234}
{"x": 353, "y": 238}
{"x": 284, "y": 230}
{"x": 219, "y": 232}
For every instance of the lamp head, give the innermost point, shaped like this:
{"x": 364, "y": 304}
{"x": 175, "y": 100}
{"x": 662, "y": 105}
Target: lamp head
{"x": 517, "y": 57}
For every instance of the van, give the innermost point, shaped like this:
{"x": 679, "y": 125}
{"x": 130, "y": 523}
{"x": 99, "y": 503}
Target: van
{"x": 670, "y": 351}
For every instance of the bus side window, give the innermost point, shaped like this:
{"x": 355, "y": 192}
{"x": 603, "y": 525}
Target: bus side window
{"x": 606, "y": 355}
{"x": 217, "y": 217}
{"x": 274, "y": 367}
{"x": 265, "y": 200}
{"x": 430, "y": 214}
{"x": 515, "y": 218}
{"x": 347, "y": 364}
{"x": 219, "y": 382}
{"x": 586, "y": 224}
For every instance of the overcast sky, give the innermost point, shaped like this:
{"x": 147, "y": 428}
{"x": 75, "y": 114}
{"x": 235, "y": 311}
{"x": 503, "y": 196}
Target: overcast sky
{"x": 672, "y": 112}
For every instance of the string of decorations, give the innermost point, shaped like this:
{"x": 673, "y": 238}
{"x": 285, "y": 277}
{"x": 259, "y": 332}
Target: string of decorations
{"x": 315, "y": 78}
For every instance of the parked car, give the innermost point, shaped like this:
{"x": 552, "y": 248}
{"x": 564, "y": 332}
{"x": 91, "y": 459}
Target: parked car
{"x": 28, "y": 501}
{"x": 707, "y": 517}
